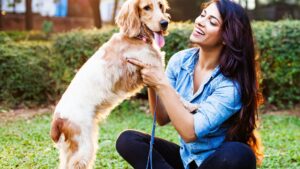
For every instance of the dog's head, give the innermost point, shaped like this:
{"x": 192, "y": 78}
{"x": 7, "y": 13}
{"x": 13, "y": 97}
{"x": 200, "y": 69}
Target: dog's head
{"x": 135, "y": 14}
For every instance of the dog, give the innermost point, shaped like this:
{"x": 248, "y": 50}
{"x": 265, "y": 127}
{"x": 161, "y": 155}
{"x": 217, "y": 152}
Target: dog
{"x": 106, "y": 79}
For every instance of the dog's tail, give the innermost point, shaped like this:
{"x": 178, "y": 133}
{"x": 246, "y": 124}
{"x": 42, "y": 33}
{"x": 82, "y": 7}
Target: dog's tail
{"x": 63, "y": 126}
{"x": 56, "y": 129}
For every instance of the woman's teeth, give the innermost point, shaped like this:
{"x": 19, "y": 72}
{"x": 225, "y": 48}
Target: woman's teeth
{"x": 199, "y": 31}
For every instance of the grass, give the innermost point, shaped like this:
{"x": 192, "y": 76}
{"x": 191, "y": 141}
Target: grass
{"x": 25, "y": 144}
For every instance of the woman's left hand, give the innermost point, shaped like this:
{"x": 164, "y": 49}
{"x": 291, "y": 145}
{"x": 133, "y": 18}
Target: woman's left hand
{"x": 153, "y": 76}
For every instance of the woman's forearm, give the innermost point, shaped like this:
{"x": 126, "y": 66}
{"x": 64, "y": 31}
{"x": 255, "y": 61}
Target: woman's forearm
{"x": 161, "y": 115}
{"x": 181, "y": 118}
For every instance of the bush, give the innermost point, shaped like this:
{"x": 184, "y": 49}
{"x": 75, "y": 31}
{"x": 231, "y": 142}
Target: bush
{"x": 17, "y": 36}
{"x": 4, "y": 38}
{"x": 75, "y": 47}
{"x": 42, "y": 75}
{"x": 279, "y": 48}
{"x": 25, "y": 73}
{"x": 178, "y": 38}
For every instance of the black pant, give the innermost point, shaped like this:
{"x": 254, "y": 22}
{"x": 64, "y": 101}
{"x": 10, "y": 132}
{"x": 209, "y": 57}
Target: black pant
{"x": 133, "y": 146}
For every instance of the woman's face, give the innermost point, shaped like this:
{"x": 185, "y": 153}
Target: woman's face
{"x": 207, "y": 29}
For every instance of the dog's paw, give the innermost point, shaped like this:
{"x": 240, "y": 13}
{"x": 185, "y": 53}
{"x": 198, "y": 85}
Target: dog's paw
{"x": 189, "y": 106}
{"x": 81, "y": 164}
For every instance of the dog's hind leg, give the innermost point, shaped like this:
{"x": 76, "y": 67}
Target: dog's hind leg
{"x": 87, "y": 146}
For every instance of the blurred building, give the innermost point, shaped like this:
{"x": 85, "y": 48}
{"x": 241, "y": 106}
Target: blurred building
{"x": 182, "y": 10}
{"x": 69, "y": 14}
{"x": 276, "y": 11}
{"x": 64, "y": 14}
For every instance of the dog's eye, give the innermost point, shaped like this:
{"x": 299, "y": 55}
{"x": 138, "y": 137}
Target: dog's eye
{"x": 147, "y": 8}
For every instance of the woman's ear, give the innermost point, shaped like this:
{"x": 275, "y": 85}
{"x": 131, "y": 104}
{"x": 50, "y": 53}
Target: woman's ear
{"x": 128, "y": 19}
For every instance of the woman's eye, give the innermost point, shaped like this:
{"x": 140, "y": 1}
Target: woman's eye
{"x": 212, "y": 23}
{"x": 147, "y": 8}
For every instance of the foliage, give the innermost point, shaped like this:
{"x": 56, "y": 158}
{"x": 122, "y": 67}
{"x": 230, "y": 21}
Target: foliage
{"x": 178, "y": 38}
{"x": 26, "y": 143}
{"x": 277, "y": 43}
{"x": 279, "y": 51}
{"x": 47, "y": 27}
{"x": 77, "y": 46}
{"x": 24, "y": 72}
{"x": 19, "y": 36}
{"x": 4, "y": 38}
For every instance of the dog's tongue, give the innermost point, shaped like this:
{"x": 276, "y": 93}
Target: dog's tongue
{"x": 159, "y": 39}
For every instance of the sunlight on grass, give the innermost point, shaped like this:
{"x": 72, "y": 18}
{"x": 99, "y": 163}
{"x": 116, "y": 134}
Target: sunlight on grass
{"x": 26, "y": 144}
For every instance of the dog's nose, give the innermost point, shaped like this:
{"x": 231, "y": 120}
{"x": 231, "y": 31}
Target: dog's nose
{"x": 164, "y": 24}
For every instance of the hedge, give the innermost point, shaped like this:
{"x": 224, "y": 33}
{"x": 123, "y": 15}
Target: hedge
{"x": 25, "y": 74}
{"x": 279, "y": 49}
{"x": 278, "y": 45}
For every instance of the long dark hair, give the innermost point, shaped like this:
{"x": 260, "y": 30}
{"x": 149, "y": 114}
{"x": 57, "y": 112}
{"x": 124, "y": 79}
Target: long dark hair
{"x": 237, "y": 61}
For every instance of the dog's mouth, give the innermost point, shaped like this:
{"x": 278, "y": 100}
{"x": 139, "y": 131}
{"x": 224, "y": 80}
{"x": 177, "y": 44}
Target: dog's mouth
{"x": 159, "y": 38}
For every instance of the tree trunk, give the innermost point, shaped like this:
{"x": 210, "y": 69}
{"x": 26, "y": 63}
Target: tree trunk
{"x": 14, "y": 6}
{"x": 28, "y": 16}
{"x": 96, "y": 13}
{"x": 257, "y": 4}
{"x": 115, "y": 11}
{"x": 1, "y": 25}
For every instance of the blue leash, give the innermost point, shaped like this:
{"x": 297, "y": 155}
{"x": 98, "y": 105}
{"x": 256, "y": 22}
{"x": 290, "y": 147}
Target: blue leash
{"x": 149, "y": 161}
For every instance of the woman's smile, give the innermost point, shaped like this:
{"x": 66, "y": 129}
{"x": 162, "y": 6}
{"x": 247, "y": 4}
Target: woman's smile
{"x": 198, "y": 32}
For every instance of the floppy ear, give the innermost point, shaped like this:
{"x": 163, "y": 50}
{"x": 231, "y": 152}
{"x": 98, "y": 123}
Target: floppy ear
{"x": 128, "y": 19}
{"x": 166, "y": 7}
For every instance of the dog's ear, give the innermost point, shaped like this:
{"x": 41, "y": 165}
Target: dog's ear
{"x": 128, "y": 18}
{"x": 166, "y": 7}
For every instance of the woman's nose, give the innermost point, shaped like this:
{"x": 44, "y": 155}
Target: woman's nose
{"x": 200, "y": 21}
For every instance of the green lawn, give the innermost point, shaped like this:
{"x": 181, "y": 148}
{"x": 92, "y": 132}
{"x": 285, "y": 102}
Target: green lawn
{"x": 26, "y": 143}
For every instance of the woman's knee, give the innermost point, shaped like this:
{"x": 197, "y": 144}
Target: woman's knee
{"x": 123, "y": 139}
{"x": 239, "y": 155}
{"x": 126, "y": 141}
{"x": 232, "y": 155}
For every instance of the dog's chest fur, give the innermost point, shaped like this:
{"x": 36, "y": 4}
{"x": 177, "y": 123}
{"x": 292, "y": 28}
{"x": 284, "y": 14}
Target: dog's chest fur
{"x": 106, "y": 78}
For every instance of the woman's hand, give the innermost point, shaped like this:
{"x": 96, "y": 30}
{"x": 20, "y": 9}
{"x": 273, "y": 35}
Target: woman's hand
{"x": 153, "y": 76}
{"x": 181, "y": 118}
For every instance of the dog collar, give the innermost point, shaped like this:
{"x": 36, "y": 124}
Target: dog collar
{"x": 143, "y": 38}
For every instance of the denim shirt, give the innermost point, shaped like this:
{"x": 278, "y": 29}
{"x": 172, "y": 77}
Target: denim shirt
{"x": 218, "y": 99}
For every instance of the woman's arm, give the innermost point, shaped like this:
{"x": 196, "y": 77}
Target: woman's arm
{"x": 161, "y": 115}
{"x": 180, "y": 117}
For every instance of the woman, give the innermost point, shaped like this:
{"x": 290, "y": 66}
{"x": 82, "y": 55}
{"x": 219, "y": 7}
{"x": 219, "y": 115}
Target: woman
{"x": 220, "y": 77}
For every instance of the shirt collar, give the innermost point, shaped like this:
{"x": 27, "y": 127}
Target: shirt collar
{"x": 190, "y": 62}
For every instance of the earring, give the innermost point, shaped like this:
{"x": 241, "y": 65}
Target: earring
{"x": 223, "y": 43}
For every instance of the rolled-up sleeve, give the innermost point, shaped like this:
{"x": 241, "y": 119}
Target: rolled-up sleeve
{"x": 171, "y": 70}
{"x": 217, "y": 108}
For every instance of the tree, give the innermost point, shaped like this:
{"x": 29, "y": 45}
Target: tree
{"x": 96, "y": 12}
{"x": 115, "y": 10}
{"x": 28, "y": 15}
{"x": 1, "y": 26}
